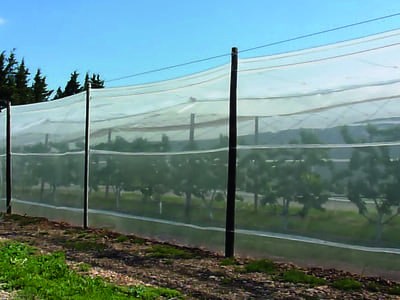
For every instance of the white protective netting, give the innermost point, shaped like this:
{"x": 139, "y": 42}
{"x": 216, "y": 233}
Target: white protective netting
{"x": 317, "y": 129}
{"x": 345, "y": 83}
{"x": 47, "y": 159}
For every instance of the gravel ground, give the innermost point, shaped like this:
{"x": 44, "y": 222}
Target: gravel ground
{"x": 125, "y": 260}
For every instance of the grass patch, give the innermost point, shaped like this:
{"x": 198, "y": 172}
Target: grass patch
{"x": 79, "y": 245}
{"x": 48, "y": 276}
{"x": 395, "y": 290}
{"x": 166, "y": 251}
{"x": 137, "y": 240}
{"x": 121, "y": 238}
{"x": 262, "y": 266}
{"x": 347, "y": 284}
{"x": 23, "y": 220}
{"x": 373, "y": 287}
{"x": 298, "y": 276}
{"x": 226, "y": 280}
{"x": 83, "y": 267}
{"x": 228, "y": 261}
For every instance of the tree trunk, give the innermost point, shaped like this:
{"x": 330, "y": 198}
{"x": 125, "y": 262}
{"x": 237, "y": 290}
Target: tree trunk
{"x": 285, "y": 214}
{"x": 117, "y": 196}
{"x": 53, "y": 190}
{"x": 256, "y": 201}
{"x": 41, "y": 189}
{"x": 188, "y": 204}
{"x": 379, "y": 229}
{"x": 107, "y": 192}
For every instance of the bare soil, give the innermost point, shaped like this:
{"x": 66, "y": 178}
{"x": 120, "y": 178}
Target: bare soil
{"x": 127, "y": 260}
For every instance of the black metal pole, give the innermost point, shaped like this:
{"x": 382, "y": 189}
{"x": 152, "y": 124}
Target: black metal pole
{"x": 86, "y": 175}
{"x": 8, "y": 159}
{"x": 231, "y": 193}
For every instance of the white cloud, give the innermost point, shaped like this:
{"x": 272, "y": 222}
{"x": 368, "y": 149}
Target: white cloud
{"x": 2, "y": 21}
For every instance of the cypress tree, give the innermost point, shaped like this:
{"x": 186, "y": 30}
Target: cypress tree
{"x": 59, "y": 94}
{"x": 40, "y": 92}
{"x": 7, "y": 75}
{"x": 95, "y": 80}
{"x": 73, "y": 86}
{"x": 97, "y": 83}
{"x": 21, "y": 91}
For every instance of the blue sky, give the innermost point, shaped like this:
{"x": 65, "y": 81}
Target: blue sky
{"x": 123, "y": 37}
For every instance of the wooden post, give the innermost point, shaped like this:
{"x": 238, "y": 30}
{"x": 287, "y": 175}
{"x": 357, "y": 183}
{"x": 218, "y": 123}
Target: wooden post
{"x": 231, "y": 189}
{"x": 86, "y": 170}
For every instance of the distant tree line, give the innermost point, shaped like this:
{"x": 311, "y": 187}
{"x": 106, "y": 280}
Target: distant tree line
{"x": 17, "y": 86}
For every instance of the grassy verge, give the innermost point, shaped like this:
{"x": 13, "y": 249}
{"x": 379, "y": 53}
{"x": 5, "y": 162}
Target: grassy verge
{"x": 38, "y": 276}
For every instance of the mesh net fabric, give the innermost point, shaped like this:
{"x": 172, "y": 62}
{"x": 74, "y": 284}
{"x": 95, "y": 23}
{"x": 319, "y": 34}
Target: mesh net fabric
{"x": 158, "y": 164}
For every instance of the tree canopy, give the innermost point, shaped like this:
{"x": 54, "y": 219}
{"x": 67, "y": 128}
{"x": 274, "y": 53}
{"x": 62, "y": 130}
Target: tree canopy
{"x": 17, "y": 85}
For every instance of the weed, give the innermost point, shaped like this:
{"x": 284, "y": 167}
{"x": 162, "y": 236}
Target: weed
{"x": 226, "y": 280}
{"x": 228, "y": 261}
{"x": 121, "y": 238}
{"x": 70, "y": 231}
{"x": 83, "y": 267}
{"x": 84, "y": 245}
{"x": 168, "y": 261}
{"x": 298, "y": 276}
{"x": 144, "y": 292}
{"x": 395, "y": 290}
{"x": 83, "y": 235}
{"x": 165, "y": 251}
{"x": 373, "y": 287}
{"x": 347, "y": 284}
{"x": 262, "y": 265}
{"x": 24, "y": 220}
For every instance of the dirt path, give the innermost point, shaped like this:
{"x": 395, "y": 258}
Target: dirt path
{"x": 128, "y": 260}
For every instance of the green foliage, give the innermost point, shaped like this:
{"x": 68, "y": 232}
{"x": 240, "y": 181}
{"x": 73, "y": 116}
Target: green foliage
{"x": 122, "y": 238}
{"x": 166, "y": 251}
{"x": 95, "y": 80}
{"x": 83, "y": 267}
{"x": 24, "y": 220}
{"x": 228, "y": 261}
{"x": 84, "y": 245}
{"x": 291, "y": 175}
{"x": 373, "y": 287}
{"x": 73, "y": 86}
{"x": 394, "y": 290}
{"x": 40, "y": 92}
{"x": 15, "y": 82}
{"x": 49, "y": 277}
{"x": 149, "y": 293}
{"x": 373, "y": 175}
{"x": 347, "y": 284}
{"x": 262, "y": 266}
{"x": 298, "y": 276}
